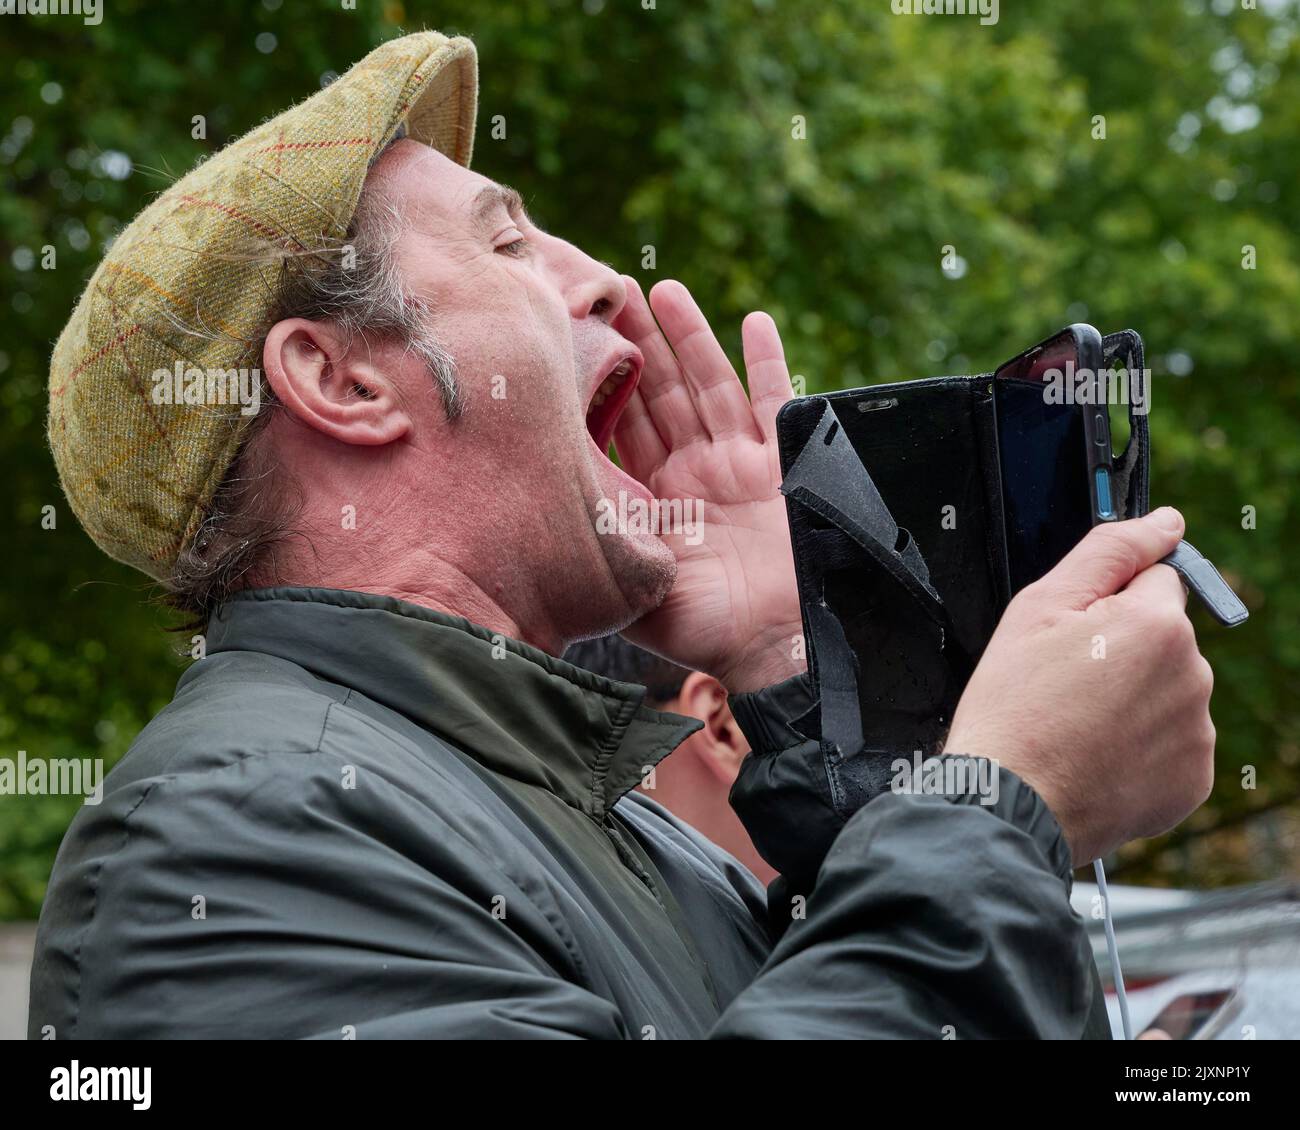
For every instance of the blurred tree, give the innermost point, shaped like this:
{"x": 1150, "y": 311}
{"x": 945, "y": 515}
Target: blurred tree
{"x": 1107, "y": 162}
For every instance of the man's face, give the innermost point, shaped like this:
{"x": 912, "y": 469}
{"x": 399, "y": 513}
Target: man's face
{"x": 527, "y": 319}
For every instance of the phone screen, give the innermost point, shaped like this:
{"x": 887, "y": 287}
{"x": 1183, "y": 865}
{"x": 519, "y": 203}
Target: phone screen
{"x": 1044, "y": 455}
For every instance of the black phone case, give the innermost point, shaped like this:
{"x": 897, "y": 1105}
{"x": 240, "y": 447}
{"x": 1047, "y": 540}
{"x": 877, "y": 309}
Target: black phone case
{"x": 894, "y": 498}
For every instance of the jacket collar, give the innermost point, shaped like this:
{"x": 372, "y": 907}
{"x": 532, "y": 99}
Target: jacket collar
{"x": 513, "y": 708}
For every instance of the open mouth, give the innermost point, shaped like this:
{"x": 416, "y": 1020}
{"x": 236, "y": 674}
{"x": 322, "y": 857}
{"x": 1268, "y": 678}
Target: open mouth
{"x": 610, "y": 398}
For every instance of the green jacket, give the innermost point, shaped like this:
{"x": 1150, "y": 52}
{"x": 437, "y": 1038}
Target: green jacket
{"x": 361, "y": 817}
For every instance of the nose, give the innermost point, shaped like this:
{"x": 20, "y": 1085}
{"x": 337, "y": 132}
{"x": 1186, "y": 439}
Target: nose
{"x": 592, "y": 289}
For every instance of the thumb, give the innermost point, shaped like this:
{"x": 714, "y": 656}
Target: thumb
{"x": 1110, "y": 556}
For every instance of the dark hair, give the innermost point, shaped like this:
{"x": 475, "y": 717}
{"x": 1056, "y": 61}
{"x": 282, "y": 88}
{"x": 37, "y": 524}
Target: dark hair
{"x": 615, "y": 658}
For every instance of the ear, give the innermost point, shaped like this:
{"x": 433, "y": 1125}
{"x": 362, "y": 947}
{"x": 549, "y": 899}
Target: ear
{"x": 721, "y": 745}
{"x": 339, "y": 391}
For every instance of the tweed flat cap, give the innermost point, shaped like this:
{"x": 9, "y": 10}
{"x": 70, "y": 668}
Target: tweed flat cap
{"x": 139, "y": 469}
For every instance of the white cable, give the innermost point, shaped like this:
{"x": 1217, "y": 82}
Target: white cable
{"x": 1112, "y": 949}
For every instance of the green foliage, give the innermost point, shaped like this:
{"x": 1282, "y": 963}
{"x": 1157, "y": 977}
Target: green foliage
{"x": 676, "y": 128}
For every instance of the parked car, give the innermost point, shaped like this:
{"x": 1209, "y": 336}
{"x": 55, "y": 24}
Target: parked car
{"x": 1226, "y": 961}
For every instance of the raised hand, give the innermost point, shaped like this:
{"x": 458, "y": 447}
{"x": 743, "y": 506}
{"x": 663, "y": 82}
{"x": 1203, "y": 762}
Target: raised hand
{"x": 690, "y": 433}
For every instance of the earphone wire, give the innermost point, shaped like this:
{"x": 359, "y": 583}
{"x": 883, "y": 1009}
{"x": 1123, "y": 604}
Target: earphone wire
{"x": 1112, "y": 948}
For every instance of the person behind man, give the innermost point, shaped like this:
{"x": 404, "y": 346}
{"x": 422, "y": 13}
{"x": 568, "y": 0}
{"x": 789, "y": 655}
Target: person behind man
{"x": 377, "y": 805}
{"x": 693, "y": 783}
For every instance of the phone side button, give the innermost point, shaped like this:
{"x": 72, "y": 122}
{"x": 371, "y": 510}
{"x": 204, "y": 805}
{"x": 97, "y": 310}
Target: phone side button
{"x": 1104, "y": 507}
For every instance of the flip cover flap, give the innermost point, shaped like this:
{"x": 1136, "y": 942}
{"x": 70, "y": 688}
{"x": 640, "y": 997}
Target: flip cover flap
{"x": 828, "y": 479}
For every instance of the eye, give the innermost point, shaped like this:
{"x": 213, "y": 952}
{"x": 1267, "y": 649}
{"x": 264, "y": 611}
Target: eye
{"x": 516, "y": 247}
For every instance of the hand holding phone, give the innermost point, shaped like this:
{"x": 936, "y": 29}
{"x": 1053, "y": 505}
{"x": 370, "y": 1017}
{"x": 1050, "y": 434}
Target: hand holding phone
{"x": 1119, "y": 747}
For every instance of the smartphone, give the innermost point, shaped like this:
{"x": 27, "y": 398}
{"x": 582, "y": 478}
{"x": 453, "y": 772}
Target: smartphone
{"x": 1054, "y": 448}
{"x": 1198, "y": 1016}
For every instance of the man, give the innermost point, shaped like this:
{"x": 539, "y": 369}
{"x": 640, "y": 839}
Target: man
{"x": 693, "y": 783}
{"x": 377, "y": 805}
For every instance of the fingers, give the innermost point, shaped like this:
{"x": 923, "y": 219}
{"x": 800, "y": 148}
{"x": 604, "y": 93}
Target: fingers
{"x": 1109, "y": 557}
{"x": 1155, "y": 1034}
{"x": 640, "y": 448}
{"x": 663, "y": 392}
{"x": 769, "y": 376}
{"x": 688, "y": 389}
{"x": 1158, "y": 583}
{"x": 719, "y": 397}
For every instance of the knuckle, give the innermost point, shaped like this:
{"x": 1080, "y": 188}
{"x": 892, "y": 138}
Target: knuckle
{"x": 1018, "y": 604}
{"x": 1109, "y": 532}
{"x": 1179, "y": 627}
{"x": 1033, "y": 593}
{"x": 1119, "y": 557}
{"x": 1209, "y": 736}
{"x": 1201, "y": 778}
{"x": 1205, "y": 679}
{"x": 1205, "y": 786}
{"x": 1116, "y": 539}
{"x": 1165, "y": 624}
{"x": 1031, "y": 606}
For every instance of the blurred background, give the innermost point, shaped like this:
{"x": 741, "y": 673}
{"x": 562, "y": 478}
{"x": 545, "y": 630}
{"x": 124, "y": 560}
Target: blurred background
{"x": 906, "y": 195}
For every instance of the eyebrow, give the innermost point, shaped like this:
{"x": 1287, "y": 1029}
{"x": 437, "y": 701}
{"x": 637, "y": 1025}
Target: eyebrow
{"x": 494, "y": 196}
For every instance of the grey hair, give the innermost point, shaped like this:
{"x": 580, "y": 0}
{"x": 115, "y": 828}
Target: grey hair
{"x": 357, "y": 286}
{"x": 364, "y": 294}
